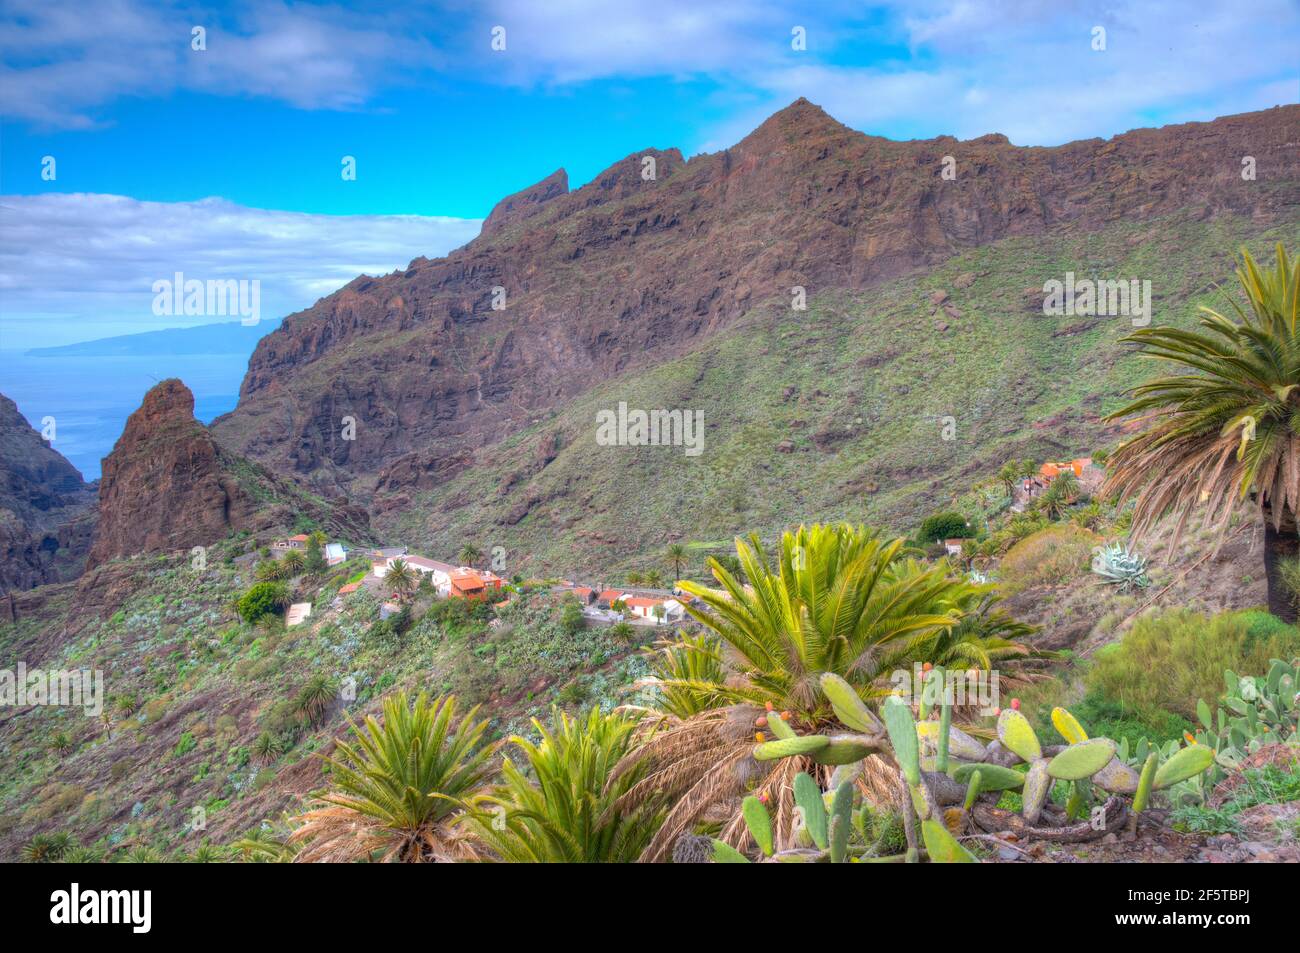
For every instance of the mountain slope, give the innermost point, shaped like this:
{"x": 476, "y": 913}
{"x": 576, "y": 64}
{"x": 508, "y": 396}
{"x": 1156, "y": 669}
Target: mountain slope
{"x": 627, "y": 272}
{"x": 46, "y": 509}
{"x": 837, "y": 412}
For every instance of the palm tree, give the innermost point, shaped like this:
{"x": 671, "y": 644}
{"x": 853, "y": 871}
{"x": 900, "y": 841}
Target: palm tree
{"x": 1063, "y": 492}
{"x": 470, "y": 554}
{"x": 676, "y": 554}
{"x": 292, "y": 563}
{"x": 561, "y": 809}
{"x": 841, "y": 600}
{"x": 401, "y": 577}
{"x": 1226, "y": 426}
{"x": 47, "y": 848}
{"x": 398, "y": 787}
{"x": 61, "y": 743}
{"x": 267, "y": 748}
{"x": 687, "y": 660}
{"x": 314, "y": 698}
{"x": 271, "y": 570}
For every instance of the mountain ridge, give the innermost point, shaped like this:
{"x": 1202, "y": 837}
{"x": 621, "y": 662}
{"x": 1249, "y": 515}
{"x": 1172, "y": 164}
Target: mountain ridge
{"x": 626, "y": 271}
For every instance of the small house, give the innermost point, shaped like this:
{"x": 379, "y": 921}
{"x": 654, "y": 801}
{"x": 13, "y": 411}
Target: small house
{"x": 298, "y": 542}
{"x": 953, "y": 546}
{"x": 298, "y": 613}
{"x": 335, "y": 554}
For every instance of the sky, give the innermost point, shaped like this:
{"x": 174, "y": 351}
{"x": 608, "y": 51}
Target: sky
{"x": 225, "y": 161}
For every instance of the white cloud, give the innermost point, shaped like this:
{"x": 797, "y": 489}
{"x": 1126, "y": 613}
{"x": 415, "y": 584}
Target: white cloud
{"x": 90, "y": 260}
{"x": 62, "y": 62}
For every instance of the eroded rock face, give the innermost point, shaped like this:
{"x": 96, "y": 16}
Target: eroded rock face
{"x": 46, "y": 509}
{"x": 629, "y": 270}
{"x": 163, "y": 486}
{"x": 169, "y": 485}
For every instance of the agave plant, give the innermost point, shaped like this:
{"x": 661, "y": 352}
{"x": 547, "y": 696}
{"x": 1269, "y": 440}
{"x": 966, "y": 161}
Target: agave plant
{"x": 1226, "y": 426}
{"x": 398, "y": 786}
{"x": 561, "y": 809}
{"x": 1120, "y": 566}
{"x": 841, "y": 599}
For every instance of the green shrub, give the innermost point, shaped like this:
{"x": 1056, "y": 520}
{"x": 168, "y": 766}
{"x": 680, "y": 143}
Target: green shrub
{"x": 1049, "y": 557}
{"x": 264, "y": 598}
{"x": 944, "y": 526}
{"x": 1170, "y": 659}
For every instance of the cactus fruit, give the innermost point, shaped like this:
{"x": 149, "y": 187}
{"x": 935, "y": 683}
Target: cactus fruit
{"x": 808, "y": 798}
{"x": 1188, "y": 762}
{"x": 1015, "y": 732}
{"x": 788, "y": 747}
{"x": 1068, "y": 726}
{"x": 848, "y": 707}
{"x": 1082, "y": 760}
{"x": 759, "y": 823}
{"x": 942, "y": 847}
{"x": 902, "y": 735}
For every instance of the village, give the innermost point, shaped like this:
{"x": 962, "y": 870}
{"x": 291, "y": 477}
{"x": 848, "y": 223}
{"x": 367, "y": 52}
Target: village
{"x": 395, "y": 574}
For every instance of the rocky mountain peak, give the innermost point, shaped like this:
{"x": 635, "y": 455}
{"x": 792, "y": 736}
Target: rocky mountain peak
{"x": 526, "y": 203}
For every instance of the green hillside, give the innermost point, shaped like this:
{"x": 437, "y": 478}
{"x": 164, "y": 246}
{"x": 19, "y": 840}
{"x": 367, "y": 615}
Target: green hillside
{"x": 859, "y": 384}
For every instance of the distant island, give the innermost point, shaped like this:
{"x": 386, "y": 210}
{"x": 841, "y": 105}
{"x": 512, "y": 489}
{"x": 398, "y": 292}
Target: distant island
{"x": 228, "y": 337}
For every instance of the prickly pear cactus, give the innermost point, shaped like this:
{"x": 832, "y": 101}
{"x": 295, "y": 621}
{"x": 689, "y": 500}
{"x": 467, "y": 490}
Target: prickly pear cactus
{"x": 942, "y": 767}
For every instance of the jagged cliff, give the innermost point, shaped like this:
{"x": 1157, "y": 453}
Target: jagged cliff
{"x": 46, "y": 509}
{"x": 169, "y": 485}
{"x": 630, "y": 270}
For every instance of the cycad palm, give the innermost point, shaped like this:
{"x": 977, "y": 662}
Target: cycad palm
{"x": 841, "y": 600}
{"x": 561, "y": 810}
{"x": 398, "y": 786}
{"x": 1228, "y": 425}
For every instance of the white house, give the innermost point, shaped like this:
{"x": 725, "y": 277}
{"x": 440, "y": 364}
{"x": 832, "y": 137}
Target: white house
{"x": 298, "y": 613}
{"x": 335, "y": 554}
{"x": 643, "y": 607}
{"x": 439, "y": 571}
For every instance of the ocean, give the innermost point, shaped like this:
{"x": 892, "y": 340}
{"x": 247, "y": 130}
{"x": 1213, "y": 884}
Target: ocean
{"x": 91, "y": 397}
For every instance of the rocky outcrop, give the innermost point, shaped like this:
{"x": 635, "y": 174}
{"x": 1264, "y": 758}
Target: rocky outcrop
{"x": 46, "y": 509}
{"x": 630, "y": 269}
{"x": 169, "y": 485}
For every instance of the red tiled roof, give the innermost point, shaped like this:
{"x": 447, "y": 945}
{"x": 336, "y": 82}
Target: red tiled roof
{"x": 610, "y": 595}
{"x": 350, "y": 587}
{"x": 641, "y": 602}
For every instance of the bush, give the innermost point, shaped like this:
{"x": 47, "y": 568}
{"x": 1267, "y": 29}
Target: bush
{"x": 263, "y": 599}
{"x": 1049, "y": 557}
{"x": 944, "y": 526}
{"x": 571, "y": 618}
{"x": 1170, "y": 659}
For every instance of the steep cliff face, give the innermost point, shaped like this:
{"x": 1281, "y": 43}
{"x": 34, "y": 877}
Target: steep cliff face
{"x": 169, "y": 485}
{"x": 634, "y": 268}
{"x": 46, "y": 509}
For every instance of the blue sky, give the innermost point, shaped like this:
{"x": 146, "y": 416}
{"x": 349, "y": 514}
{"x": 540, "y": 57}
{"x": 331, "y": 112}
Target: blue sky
{"x": 226, "y": 161}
